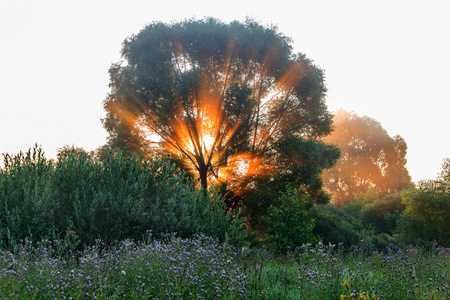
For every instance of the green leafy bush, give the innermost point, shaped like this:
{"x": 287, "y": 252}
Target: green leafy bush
{"x": 335, "y": 226}
{"x": 25, "y": 195}
{"x": 350, "y": 227}
{"x": 383, "y": 214}
{"x": 114, "y": 199}
{"x": 290, "y": 224}
{"x": 426, "y": 218}
{"x": 379, "y": 213}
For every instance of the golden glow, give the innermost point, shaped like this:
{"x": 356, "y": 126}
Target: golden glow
{"x": 202, "y": 137}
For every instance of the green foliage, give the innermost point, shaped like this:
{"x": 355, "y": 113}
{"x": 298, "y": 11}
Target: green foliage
{"x": 381, "y": 214}
{"x": 351, "y": 225}
{"x": 427, "y": 215}
{"x": 300, "y": 163}
{"x": 25, "y": 195}
{"x": 290, "y": 224}
{"x": 215, "y": 220}
{"x": 66, "y": 150}
{"x": 221, "y": 99}
{"x": 371, "y": 195}
{"x": 114, "y": 199}
{"x": 336, "y": 226}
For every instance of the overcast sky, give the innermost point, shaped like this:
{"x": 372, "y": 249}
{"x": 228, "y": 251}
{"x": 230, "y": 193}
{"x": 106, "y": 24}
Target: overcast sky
{"x": 389, "y": 60}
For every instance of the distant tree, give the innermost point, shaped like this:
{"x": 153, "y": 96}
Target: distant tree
{"x": 444, "y": 176}
{"x": 79, "y": 152}
{"x": 370, "y": 159}
{"x": 227, "y": 102}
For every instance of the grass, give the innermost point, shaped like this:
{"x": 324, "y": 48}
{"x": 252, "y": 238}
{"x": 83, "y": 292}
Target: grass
{"x": 201, "y": 268}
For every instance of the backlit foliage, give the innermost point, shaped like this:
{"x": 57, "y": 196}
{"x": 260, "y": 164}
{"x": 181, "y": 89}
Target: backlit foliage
{"x": 370, "y": 158}
{"x": 218, "y": 98}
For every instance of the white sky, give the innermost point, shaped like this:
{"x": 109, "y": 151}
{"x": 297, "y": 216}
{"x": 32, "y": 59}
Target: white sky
{"x": 389, "y": 60}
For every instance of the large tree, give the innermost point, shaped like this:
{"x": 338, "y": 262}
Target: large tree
{"x": 222, "y": 99}
{"x": 370, "y": 158}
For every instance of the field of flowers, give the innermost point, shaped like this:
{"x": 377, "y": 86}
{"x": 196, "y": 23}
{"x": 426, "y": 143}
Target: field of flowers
{"x": 201, "y": 268}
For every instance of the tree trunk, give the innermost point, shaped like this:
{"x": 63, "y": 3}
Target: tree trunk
{"x": 203, "y": 173}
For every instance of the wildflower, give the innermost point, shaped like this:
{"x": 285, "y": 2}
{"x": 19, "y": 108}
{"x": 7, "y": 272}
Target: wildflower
{"x": 123, "y": 272}
{"x": 346, "y": 284}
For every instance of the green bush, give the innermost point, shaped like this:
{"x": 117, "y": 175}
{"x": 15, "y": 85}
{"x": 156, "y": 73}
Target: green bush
{"x": 25, "y": 196}
{"x": 426, "y": 218}
{"x": 336, "y": 226}
{"x": 114, "y": 199}
{"x": 290, "y": 224}
{"x": 383, "y": 214}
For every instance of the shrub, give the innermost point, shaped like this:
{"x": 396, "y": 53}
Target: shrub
{"x": 114, "y": 199}
{"x": 427, "y": 215}
{"x": 25, "y": 196}
{"x": 290, "y": 224}
{"x": 384, "y": 213}
{"x": 335, "y": 226}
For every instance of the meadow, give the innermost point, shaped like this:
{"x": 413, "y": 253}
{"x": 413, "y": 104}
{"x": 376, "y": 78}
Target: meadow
{"x": 202, "y": 268}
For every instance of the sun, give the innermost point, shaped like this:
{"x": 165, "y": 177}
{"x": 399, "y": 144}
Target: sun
{"x": 207, "y": 142}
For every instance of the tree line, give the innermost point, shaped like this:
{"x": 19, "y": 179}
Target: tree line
{"x": 243, "y": 118}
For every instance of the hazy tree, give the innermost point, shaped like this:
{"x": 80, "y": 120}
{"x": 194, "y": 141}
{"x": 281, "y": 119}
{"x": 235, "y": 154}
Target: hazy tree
{"x": 78, "y": 152}
{"x": 222, "y": 99}
{"x": 444, "y": 176}
{"x": 370, "y": 158}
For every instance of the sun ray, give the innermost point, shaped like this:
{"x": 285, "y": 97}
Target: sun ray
{"x": 204, "y": 128}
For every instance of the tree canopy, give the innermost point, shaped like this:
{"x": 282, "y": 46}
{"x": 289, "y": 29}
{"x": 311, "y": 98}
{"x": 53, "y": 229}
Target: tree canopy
{"x": 227, "y": 101}
{"x": 370, "y": 158}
